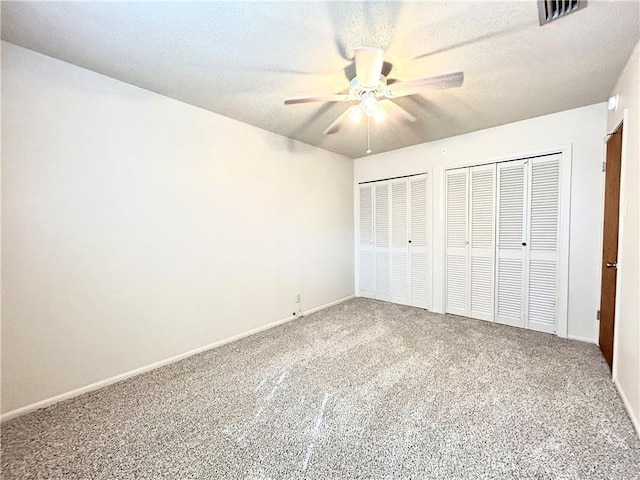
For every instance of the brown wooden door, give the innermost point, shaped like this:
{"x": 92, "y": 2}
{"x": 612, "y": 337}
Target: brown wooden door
{"x": 610, "y": 244}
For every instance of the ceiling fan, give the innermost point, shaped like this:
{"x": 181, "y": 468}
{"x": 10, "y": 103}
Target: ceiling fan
{"x": 374, "y": 95}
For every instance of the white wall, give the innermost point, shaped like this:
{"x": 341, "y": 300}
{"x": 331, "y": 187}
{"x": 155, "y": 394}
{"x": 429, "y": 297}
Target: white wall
{"x": 626, "y": 361}
{"x": 584, "y": 129}
{"x": 136, "y": 227}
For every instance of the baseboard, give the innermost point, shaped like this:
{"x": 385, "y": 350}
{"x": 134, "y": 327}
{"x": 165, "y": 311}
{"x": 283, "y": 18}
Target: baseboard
{"x": 327, "y": 305}
{"x": 627, "y": 405}
{"x": 18, "y": 412}
{"x": 582, "y": 339}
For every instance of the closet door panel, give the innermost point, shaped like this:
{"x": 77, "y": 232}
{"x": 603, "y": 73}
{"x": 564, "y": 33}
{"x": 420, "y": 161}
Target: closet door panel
{"x": 400, "y": 278}
{"x": 457, "y": 283}
{"x": 420, "y": 281}
{"x": 542, "y": 296}
{"x": 544, "y": 223}
{"x": 482, "y": 295}
{"x": 509, "y": 288}
{"x": 400, "y": 292}
{"x": 502, "y": 242}
{"x": 482, "y": 234}
{"x": 392, "y": 266}
{"x": 382, "y": 253}
{"x": 382, "y": 283}
{"x": 511, "y": 235}
{"x": 419, "y": 253}
{"x": 366, "y": 270}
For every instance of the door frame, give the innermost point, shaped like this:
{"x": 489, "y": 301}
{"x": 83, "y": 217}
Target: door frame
{"x": 566, "y": 158}
{"x": 621, "y": 216}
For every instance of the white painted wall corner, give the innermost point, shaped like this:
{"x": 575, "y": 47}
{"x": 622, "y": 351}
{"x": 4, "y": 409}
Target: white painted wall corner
{"x": 627, "y": 405}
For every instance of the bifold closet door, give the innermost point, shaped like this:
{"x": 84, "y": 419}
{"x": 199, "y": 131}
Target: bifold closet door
{"x": 419, "y": 248}
{"x": 382, "y": 287}
{"x": 511, "y": 243}
{"x": 544, "y": 228}
{"x": 470, "y": 241}
{"x": 394, "y": 241}
{"x": 527, "y": 249}
{"x": 457, "y": 243}
{"x": 366, "y": 245}
{"x": 409, "y": 241}
{"x": 482, "y": 181}
{"x": 400, "y": 291}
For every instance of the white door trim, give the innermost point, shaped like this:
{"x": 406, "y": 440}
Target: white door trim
{"x": 616, "y": 314}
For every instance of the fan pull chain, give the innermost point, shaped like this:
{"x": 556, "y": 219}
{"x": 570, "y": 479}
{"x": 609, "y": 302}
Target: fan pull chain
{"x": 368, "y": 136}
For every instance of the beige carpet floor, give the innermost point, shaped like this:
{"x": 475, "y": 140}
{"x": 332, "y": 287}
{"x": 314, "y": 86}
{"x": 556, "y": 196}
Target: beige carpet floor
{"x": 364, "y": 389}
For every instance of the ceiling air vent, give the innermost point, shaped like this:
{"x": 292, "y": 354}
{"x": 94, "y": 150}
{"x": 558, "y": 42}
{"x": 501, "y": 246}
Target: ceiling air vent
{"x": 550, "y": 10}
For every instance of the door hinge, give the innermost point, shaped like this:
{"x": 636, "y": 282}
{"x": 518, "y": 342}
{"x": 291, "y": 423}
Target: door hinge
{"x": 598, "y": 315}
{"x": 604, "y": 166}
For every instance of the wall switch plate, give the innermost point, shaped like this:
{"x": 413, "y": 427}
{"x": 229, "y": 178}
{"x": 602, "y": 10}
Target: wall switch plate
{"x": 297, "y": 298}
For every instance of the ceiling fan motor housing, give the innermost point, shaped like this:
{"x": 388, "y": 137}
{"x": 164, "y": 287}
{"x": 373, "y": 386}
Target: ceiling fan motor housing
{"x": 369, "y": 104}
{"x": 356, "y": 90}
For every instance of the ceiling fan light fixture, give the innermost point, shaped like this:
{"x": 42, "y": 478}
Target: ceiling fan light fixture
{"x": 355, "y": 114}
{"x": 372, "y": 108}
{"x": 380, "y": 116}
{"x": 369, "y": 104}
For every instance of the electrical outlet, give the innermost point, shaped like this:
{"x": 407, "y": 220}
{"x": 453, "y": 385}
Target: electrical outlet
{"x": 298, "y": 313}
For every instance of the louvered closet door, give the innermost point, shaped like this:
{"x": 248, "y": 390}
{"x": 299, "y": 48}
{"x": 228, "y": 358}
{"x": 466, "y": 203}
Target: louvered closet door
{"x": 482, "y": 235}
{"x": 382, "y": 286}
{"x": 544, "y": 224}
{"x": 510, "y": 249}
{"x": 400, "y": 292}
{"x": 366, "y": 271}
{"x": 457, "y": 284}
{"x": 419, "y": 236}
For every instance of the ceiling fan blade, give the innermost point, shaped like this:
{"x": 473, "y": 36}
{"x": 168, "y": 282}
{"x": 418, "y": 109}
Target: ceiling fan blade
{"x": 339, "y": 122}
{"x": 401, "y": 89}
{"x": 397, "y": 111}
{"x": 368, "y": 66}
{"x": 324, "y": 98}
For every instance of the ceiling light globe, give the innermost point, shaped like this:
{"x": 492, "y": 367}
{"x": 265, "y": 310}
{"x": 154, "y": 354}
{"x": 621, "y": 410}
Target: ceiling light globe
{"x": 380, "y": 115}
{"x": 370, "y": 105}
{"x": 355, "y": 114}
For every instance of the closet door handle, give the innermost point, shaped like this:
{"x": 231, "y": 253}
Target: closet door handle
{"x": 524, "y": 244}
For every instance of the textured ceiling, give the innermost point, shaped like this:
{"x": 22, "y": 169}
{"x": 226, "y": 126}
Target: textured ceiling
{"x": 242, "y": 59}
